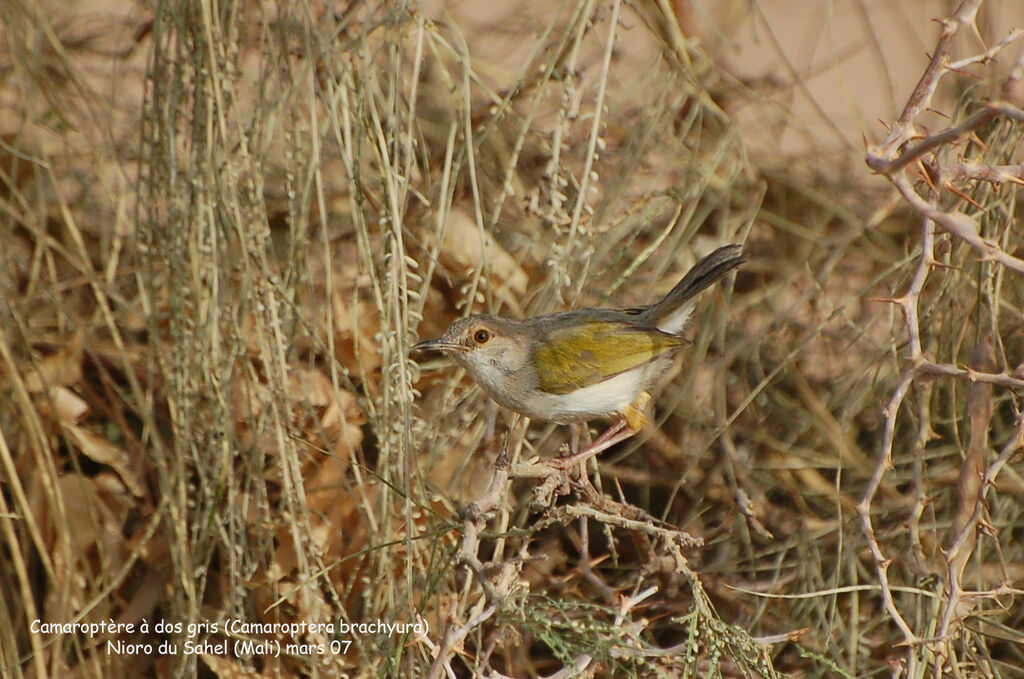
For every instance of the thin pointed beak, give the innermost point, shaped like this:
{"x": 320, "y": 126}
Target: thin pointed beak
{"x": 438, "y": 344}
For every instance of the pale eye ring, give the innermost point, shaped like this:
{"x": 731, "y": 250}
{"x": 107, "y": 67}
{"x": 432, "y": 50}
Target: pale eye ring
{"x": 481, "y": 336}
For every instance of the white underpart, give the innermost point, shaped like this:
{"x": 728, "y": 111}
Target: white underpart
{"x": 602, "y": 399}
{"x": 612, "y": 395}
{"x": 676, "y": 321}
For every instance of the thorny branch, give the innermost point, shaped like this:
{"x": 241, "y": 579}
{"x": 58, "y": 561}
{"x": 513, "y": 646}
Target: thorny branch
{"x": 892, "y": 158}
{"x": 906, "y": 147}
{"x": 497, "y": 580}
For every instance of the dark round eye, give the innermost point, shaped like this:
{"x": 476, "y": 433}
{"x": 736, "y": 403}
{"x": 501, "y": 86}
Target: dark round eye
{"x": 481, "y": 336}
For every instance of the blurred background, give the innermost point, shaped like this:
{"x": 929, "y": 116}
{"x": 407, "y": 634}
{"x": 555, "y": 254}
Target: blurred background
{"x": 224, "y": 225}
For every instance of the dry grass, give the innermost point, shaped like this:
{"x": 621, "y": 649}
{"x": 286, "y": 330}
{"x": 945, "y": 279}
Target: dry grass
{"x": 208, "y": 411}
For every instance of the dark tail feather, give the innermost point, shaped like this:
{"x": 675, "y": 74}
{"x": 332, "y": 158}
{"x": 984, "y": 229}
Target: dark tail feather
{"x": 704, "y": 273}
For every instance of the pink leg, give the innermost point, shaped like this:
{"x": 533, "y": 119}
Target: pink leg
{"x": 616, "y": 433}
{"x": 574, "y": 441}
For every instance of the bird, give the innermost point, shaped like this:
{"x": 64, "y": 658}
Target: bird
{"x": 576, "y": 366}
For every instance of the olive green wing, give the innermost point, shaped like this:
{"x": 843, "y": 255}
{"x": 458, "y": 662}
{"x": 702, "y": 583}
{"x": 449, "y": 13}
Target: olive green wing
{"x": 583, "y": 354}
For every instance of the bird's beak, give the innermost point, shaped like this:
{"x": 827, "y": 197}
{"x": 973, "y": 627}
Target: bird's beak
{"x": 438, "y": 344}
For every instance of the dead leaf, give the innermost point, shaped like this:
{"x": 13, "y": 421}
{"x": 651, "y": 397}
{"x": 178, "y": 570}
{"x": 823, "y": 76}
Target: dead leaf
{"x": 464, "y": 248}
{"x": 61, "y": 368}
{"x": 103, "y": 451}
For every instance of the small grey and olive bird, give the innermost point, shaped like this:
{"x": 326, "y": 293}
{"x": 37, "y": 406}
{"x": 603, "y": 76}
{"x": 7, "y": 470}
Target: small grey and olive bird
{"x": 576, "y": 366}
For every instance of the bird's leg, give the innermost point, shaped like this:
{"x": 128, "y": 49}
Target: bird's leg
{"x": 574, "y": 440}
{"x": 574, "y": 445}
{"x": 618, "y": 432}
{"x": 632, "y": 422}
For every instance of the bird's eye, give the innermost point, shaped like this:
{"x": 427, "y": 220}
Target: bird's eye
{"x": 481, "y": 336}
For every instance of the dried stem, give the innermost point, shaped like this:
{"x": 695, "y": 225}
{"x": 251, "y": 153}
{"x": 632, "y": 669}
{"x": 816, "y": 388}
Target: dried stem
{"x": 894, "y": 158}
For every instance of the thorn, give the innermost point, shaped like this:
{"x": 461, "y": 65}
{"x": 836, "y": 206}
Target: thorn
{"x": 963, "y": 195}
{"x": 966, "y": 74}
{"x": 943, "y": 265}
{"x": 927, "y": 176}
{"x": 902, "y": 301}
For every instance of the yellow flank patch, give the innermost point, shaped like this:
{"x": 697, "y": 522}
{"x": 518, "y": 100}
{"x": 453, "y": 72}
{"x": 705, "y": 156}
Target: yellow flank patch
{"x": 636, "y": 414}
{"x": 574, "y": 357}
